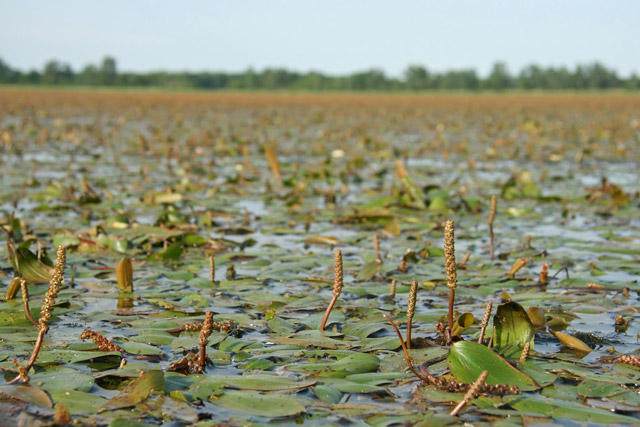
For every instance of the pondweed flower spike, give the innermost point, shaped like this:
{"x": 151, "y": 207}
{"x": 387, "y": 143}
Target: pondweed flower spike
{"x": 392, "y": 290}
{"x": 492, "y": 216}
{"x": 45, "y": 313}
{"x": 474, "y": 388}
{"x": 376, "y": 247}
{"x": 485, "y": 321}
{"x": 103, "y": 343}
{"x": 525, "y": 351}
{"x": 411, "y": 309}
{"x": 450, "y": 266}
{"x": 212, "y": 269}
{"x": 25, "y": 299}
{"x": 205, "y": 332}
{"x": 337, "y": 286}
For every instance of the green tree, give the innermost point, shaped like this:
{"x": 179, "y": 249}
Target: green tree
{"x": 56, "y": 73}
{"x": 416, "y": 78}
{"x": 108, "y": 71}
{"x": 499, "y": 79}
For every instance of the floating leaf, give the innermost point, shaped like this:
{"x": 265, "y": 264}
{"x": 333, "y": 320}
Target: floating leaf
{"x": 27, "y": 393}
{"x": 255, "y": 403}
{"x": 571, "y": 342}
{"x": 327, "y": 394}
{"x": 369, "y": 270}
{"x": 322, "y": 240}
{"x": 137, "y": 391}
{"x": 558, "y": 408}
{"x": 78, "y": 402}
{"x": 63, "y": 379}
{"x": 537, "y": 317}
{"x": 467, "y": 360}
{"x": 264, "y": 382}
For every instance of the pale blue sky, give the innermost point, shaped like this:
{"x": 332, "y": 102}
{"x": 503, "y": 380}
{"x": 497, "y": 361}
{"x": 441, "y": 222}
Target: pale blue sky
{"x": 334, "y": 36}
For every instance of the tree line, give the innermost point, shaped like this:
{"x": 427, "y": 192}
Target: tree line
{"x": 416, "y": 78}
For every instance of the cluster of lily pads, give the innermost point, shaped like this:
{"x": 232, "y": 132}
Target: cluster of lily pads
{"x": 201, "y": 285}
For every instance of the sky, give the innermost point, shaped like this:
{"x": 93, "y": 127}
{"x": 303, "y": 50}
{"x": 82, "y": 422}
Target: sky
{"x": 331, "y": 36}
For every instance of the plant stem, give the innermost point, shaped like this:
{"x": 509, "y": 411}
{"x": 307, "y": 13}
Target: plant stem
{"x": 492, "y": 215}
{"x": 406, "y": 354}
{"x": 25, "y": 299}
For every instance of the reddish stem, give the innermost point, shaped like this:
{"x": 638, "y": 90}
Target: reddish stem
{"x": 328, "y": 312}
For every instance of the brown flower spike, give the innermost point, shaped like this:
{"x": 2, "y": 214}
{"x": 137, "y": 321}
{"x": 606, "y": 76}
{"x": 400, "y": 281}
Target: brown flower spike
{"x": 450, "y": 266}
{"x": 103, "y": 343}
{"x": 45, "y": 313}
{"x": 474, "y": 388}
{"x": 411, "y": 309}
{"x": 205, "y": 332}
{"x": 485, "y": 321}
{"x": 337, "y": 286}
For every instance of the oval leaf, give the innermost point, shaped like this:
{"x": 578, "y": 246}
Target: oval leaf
{"x": 322, "y": 240}
{"x": 255, "y": 403}
{"x": 512, "y": 329}
{"x": 124, "y": 274}
{"x": 571, "y": 342}
{"x": 467, "y": 360}
{"x": 31, "y": 268}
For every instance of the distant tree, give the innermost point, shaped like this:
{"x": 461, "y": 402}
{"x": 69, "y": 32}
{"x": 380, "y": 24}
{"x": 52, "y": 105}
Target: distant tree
{"x": 90, "y": 75}
{"x": 633, "y": 83}
{"x": 33, "y": 77}
{"x": 108, "y": 71}
{"x": 416, "y": 78}
{"x": 5, "y": 72}
{"x": 599, "y": 77}
{"x": 56, "y": 73}
{"x": 499, "y": 78}
{"x": 459, "y": 80}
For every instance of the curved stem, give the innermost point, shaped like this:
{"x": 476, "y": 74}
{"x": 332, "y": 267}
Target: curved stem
{"x": 328, "y": 312}
{"x": 406, "y": 352}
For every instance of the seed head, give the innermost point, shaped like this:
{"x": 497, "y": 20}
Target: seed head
{"x": 411, "y": 306}
{"x": 54, "y": 287}
{"x": 337, "y": 269}
{"x": 450, "y": 253}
